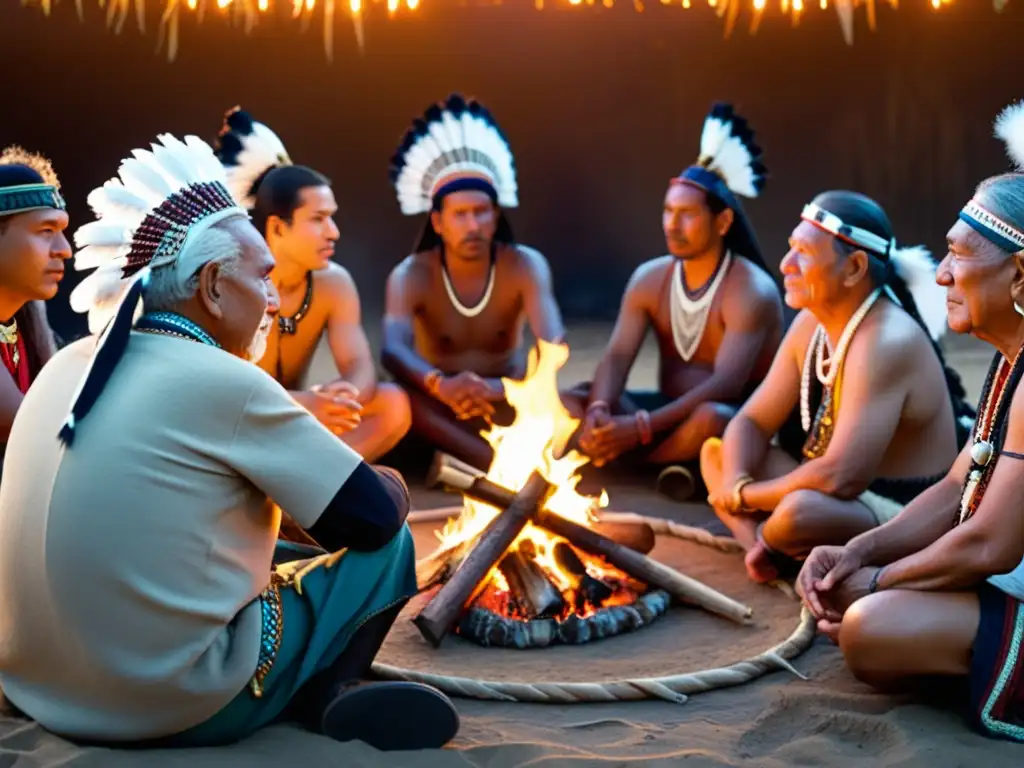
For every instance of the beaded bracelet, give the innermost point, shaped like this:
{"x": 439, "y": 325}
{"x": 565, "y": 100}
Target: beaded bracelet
{"x": 643, "y": 426}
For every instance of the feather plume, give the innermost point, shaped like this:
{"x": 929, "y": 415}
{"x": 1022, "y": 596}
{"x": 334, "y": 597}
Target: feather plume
{"x": 456, "y": 136}
{"x": 1010, "y": 128}
{"x": 916, "y": 266}
{"x": 727, "y": 147}
{"x": 247, "y": 150}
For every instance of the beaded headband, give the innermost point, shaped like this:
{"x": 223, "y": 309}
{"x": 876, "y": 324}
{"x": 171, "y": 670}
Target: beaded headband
{"x": 835, "y": 226}
{"x": 991, "y": 227}
{"x": 30, "y": 197}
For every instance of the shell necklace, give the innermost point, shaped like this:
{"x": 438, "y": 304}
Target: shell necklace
{"x": 689, "y": 316}
{"x": 481, "y": 305}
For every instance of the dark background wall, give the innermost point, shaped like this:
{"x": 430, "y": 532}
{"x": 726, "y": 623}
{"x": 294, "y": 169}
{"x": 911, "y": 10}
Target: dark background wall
{"x": 602, "y": 106}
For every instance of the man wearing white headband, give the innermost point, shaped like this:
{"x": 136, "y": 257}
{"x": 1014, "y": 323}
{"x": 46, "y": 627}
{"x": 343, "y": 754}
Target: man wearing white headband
{"x": 151, "y": 465}
{"x": 293, "y": 207}
{"x": 939, "y": 591}
{"x": 456, "y": 308}
{"x": 881, "y": 416}
{"x": 713, "y": 306}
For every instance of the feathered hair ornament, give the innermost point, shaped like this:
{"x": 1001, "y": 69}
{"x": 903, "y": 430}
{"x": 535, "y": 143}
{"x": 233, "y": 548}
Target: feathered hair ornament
{"x": 1009, "y": 126}
{"x": 730, "y": 164}
{"x": 146, "y": 219}
{"x": 248, "y": 150}
{"x": 15, "y": 155}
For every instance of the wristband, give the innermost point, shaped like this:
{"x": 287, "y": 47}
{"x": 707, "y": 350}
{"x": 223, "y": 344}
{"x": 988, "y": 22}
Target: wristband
{"x": 873, "y": 585}
{"x": 432, "y": 381}
{"x": 597, "y": 405}
{"x": 737, "y": 492}
{"x": 643, "y": 426}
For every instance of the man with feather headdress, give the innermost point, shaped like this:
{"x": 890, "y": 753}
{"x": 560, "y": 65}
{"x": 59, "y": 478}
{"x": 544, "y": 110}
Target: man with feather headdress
{"x": 456, "y": 308}
{"x": 293, "y": 208}
{"x": 33, "y": 250}
{"x": 870, "y": 318}
{"x": 714, "y": 308}
{"x": 151, "y": 465}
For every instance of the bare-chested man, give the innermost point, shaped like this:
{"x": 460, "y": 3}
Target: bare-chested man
{"x": 293, "y": 207}
{"x": 456, "y": 308}
{"x": 881, "y": 413}
{"x": 715, "y": 310}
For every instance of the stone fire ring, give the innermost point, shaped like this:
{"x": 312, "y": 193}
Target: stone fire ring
{"x": 673, "y": 688}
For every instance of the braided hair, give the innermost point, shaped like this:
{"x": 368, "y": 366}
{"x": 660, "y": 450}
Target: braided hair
{"x": 864, "y": 213}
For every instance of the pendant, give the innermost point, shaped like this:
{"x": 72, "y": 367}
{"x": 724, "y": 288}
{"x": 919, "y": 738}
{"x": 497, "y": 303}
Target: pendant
{"x": 972, "y": 485}
{"x": 981, "y": 452}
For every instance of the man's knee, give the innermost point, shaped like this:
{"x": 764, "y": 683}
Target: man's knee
{"x": 790, "y": 518}
{"x": 575, "y": 400}
{"x": 863, "y": 637}
{"x": 711, "y": 463}
{"x": 711, "y": 419}
{"x": 393, "y": 408}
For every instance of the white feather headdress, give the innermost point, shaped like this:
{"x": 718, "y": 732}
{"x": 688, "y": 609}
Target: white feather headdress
{"x": 728, "y": 150}
{"x": 247, "y": 150}
{"x": 456, "y": 139}
{"x": 1009, "y": 127}
{"x": 917, "y": 267}
{"x": 146, "y": 218}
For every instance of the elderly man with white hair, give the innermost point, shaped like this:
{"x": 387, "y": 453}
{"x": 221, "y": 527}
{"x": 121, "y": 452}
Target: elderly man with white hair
{"x": 147, "y": 471}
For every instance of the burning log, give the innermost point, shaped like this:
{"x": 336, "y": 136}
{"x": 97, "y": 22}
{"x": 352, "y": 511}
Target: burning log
{"x": 588, "y": 589}
{"x": 447, "y": 471}
{"x": 536, "y": 594}
{"x": 633, "y": 563}
{"x": 442, "y": 612}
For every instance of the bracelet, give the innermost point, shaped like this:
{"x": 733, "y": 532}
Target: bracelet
{"x": 873, "y": 585}
{"x": 737, "y": 492}
{"x": 643, "y": 426}
{"x": 432, "y": 381}
{"x": 597, "y": 405}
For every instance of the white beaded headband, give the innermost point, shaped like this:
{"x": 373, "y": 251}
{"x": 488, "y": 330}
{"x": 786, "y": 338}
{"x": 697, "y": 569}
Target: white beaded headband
{"x": 835, "y": 226}
{"x": 991, "y": 227}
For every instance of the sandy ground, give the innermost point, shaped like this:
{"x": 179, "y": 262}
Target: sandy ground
{"x": 829, "y": 720}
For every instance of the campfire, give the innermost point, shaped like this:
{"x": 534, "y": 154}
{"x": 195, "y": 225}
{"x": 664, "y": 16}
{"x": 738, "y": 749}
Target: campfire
{"x": 528, "y": 563}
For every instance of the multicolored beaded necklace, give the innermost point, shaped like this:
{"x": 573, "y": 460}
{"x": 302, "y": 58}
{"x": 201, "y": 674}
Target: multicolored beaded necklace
{"x": 12, "y": 351}
{"x": 995, "y": 402}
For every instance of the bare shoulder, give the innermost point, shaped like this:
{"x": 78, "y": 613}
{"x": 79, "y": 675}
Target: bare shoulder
{"x": 413, "y": 271}
{"x": 892, "y": 343}
{"x": 528, "y": 261}
{"x": 750, "y": 290}
{"x": 335, "y": 281}
{"x": 798, "y": 337}
{"x": 645, "y": 283}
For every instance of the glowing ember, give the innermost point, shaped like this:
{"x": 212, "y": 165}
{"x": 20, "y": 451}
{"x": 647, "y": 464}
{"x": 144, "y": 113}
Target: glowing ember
{"x": 553, "y": 579}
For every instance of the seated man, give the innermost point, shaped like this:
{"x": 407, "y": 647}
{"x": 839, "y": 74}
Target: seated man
{"x": 155, "y": 616}
{"x": 715, "y": 311}
{"x": 33, "y": 250}
{"x": 293, "y": 207}
{"x": 939, "y": 591}
{"x": 455, "y": 308}
{"x": 878, "y": 407}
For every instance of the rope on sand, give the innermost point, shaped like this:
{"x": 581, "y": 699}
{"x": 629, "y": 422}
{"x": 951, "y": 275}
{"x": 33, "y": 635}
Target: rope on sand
{"x": 672, "y": 688}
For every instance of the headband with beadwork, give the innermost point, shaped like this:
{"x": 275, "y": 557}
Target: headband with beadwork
{"x": 835, "y": 226}
{"x": 991, "y": 227}
{"x": 27, "y": 183}
{"x": 30, "y": 197}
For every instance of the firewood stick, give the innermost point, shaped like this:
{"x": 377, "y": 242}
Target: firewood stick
{"x": 449, "y": 472}
{"x": 440, "y": 614}
{"x": 643, "y": 568}
{"x": 635, "y": 564}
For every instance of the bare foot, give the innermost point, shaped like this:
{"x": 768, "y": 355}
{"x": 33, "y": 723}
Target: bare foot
{"x": 759, "y": 566}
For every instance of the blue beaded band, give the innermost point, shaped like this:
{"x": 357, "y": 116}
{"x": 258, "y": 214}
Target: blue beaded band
{"x": 270, "y": 640}
{"x": 175, "y": 324}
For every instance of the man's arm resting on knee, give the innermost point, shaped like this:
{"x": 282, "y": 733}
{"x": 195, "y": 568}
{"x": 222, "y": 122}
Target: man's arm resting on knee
{"x": 398, "y": 353}
{"x": 746, "y": 439}
{"x": 745, "y": 315}
{"x": 366, "y": 512}
{"x": 345, "y": 335}
{"x": 626, "y": 339}
{"x": 875, "y": 385}
{"x": 990, "y": 542}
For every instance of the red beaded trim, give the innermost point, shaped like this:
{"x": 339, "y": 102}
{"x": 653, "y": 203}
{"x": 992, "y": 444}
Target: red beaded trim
{"x": 165, "y": 228}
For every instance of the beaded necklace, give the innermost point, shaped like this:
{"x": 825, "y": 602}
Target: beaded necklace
{"x": 173, "y": 324}
{"x": 12, "y": 352}
{"x": 819, "y": 433}
{"x": 992, "y": 413}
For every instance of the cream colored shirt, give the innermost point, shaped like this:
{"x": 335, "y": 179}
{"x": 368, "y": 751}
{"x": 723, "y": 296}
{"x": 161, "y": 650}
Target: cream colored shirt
{"x": 130, "y": 561}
